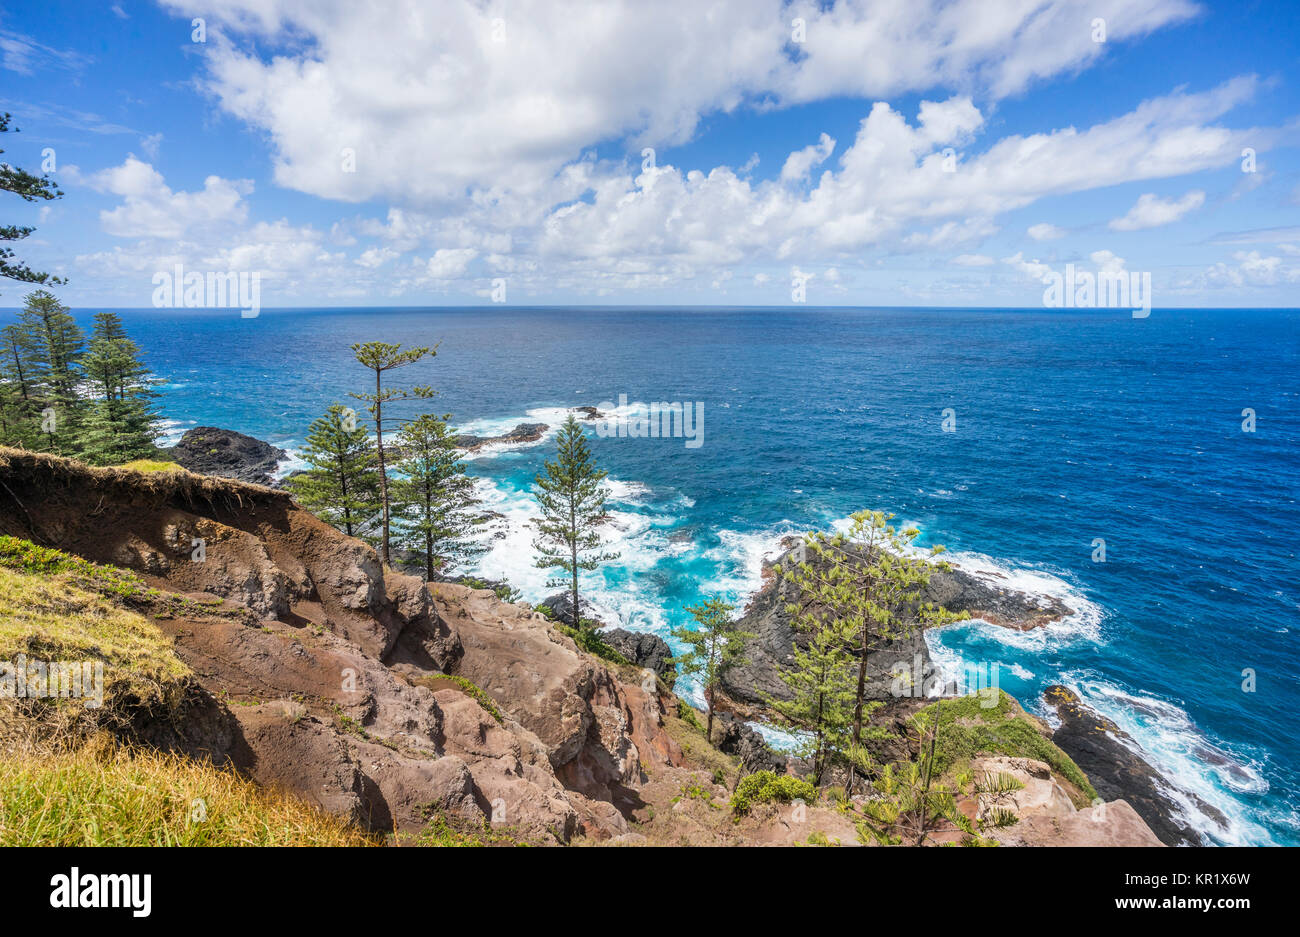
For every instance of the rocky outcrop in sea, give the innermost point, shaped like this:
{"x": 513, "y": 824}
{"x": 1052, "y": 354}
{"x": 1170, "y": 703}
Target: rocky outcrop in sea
{"x": 225, "y": 453}
{"x": 758, "y": 677}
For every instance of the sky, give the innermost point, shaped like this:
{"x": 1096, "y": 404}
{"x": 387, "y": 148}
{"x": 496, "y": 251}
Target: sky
{"x": 695, "y": 152}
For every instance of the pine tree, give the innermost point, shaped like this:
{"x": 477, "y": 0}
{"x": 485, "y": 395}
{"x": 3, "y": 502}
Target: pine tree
{"x": 120, "y": 425}
{"x": 573, "y": 506}
{"x": 911, "y": 805}
{"x": 820, "y": 680}
{"x": 869, "y": 582}
{"x": 58, "y": 345}
{"x": 342, "y": 485}
{"x": 433, "y": 497}
{"x": 715, "y": 645}
{"x": 381, "y": 357}
{"x": 29, "y": 188}
{"x": 18, "y": 389}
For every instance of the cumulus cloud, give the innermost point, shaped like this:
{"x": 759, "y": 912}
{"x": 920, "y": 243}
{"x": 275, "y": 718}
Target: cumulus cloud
{"x": 1030, "y": 268}
{"x": 151, "y": 209}
{"x": 1045, "y": 232}
{"x": 1151, "y": 212}
{"x": 450, "y": 263}
{"x": 1251, "y": 268}
{"x": 799, "y": 163}
{"x": 405, "y": 84}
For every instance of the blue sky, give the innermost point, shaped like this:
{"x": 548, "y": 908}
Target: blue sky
{"x": 502, "y": 142}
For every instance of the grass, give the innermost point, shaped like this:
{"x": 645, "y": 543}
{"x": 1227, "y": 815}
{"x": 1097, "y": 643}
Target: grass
{"x": 968, "y": 728}
{"x": 150, "y": 465}
{"x": 469, "y": 688}
{"x": 591, "y": 642}
{"x": 440, "y": 831}
{"x": 147, "y": 798}
{"x": 48, "y": 613}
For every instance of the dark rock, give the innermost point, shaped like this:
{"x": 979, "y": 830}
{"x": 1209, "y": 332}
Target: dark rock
{"x": 524, "y": 432}
{"x": 734, "y": 737}
{"x": 642, "y": 649}
{"x": 211, "y": 451}
{"x": 956, "y": 590}
{"x": 1108, "y": 756}
{"x": 589, "y": 413}
{"x": 561, "y": 604}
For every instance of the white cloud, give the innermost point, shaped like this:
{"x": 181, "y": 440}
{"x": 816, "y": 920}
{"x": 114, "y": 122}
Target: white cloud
{"x": 1151, "y": 212}
{"x": 1106, "y": 262}
{"x": 1045, "y": 232}
{"x": 1252, "y": 269}
{"x": 973, "y": 260}
{"x": 398, "y": 80}
{"x": 1030, "y": 268}
{"x": 450, "y": 263}
{"x": 151, "y": 209}
{"x": 799, "y": 163}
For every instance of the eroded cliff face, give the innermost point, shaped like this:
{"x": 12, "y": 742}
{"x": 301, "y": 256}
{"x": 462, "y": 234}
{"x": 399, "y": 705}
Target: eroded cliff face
{"x": 322, "y": 668}
{"x": 320, "y": 672}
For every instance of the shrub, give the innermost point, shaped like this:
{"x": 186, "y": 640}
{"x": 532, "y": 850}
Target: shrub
{"x": 967, "y": 728}
{"x": 763, "y": 787}
{"x": 591, "y": 642}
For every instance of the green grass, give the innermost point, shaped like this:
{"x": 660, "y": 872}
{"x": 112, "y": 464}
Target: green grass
{"x": 54, "y": 608}
{"x": 765, "y": 787}
{"x": 469, "y": 688}
{"x": 147, "y": 798}
{"x": 686, "y": 713}
{"x": 440, "y": 831}
{"x": 151, "y": 465}
{"x": 967, "y": 729}
{"x": 591, "y": 642}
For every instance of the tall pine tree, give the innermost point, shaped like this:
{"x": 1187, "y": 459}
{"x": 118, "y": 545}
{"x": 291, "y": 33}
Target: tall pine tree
{"x": 380, "y": 358}
{"x": 573, "y": 506}
{"x": 715, "y": 644}
{"x": 19, "y": 390}
{"x": 120, "y": 425}
{"x": 341, "y": 487}
{"x": 58, "y": 345}
{"x": 29, "y": 188}
{"x": 433, "y": 498}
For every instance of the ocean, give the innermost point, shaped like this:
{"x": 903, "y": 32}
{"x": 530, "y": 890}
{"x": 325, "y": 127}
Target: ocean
{"x": 1067, "y": 427}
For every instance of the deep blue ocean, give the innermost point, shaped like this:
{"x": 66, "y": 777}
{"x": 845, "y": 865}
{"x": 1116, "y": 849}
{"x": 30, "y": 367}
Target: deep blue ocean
{"x": 1070, "y": 426}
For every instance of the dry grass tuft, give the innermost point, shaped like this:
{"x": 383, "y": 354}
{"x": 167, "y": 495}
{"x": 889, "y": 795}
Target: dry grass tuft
{"x": 107, "y": 795}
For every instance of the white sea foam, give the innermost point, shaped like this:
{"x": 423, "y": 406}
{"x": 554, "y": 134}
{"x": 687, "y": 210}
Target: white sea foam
{"x": 1192, "y": 762}
{"x": 171, "y": 431}
{"x": 778, "y": 739}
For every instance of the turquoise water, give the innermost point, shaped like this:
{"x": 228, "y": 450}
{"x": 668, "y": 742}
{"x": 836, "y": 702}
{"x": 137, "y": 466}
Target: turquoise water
{"x": 1070, "y": 426}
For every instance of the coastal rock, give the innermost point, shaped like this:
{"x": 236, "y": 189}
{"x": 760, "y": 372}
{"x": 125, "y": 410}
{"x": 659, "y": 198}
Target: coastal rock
{"x": 643, "y": 649}
{"x": 561, "y": 605}
{"x": 1048, "y": 816}
{"x": 748, "y": 683}
{"x": 1110, "y": 758}
{"x": 734, "y": 737}
{"x": 524, "y": 432}
{"x": 208, "y": 450}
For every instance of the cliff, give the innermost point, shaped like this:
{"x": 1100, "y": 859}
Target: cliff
{"x": 237, "y": 628}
